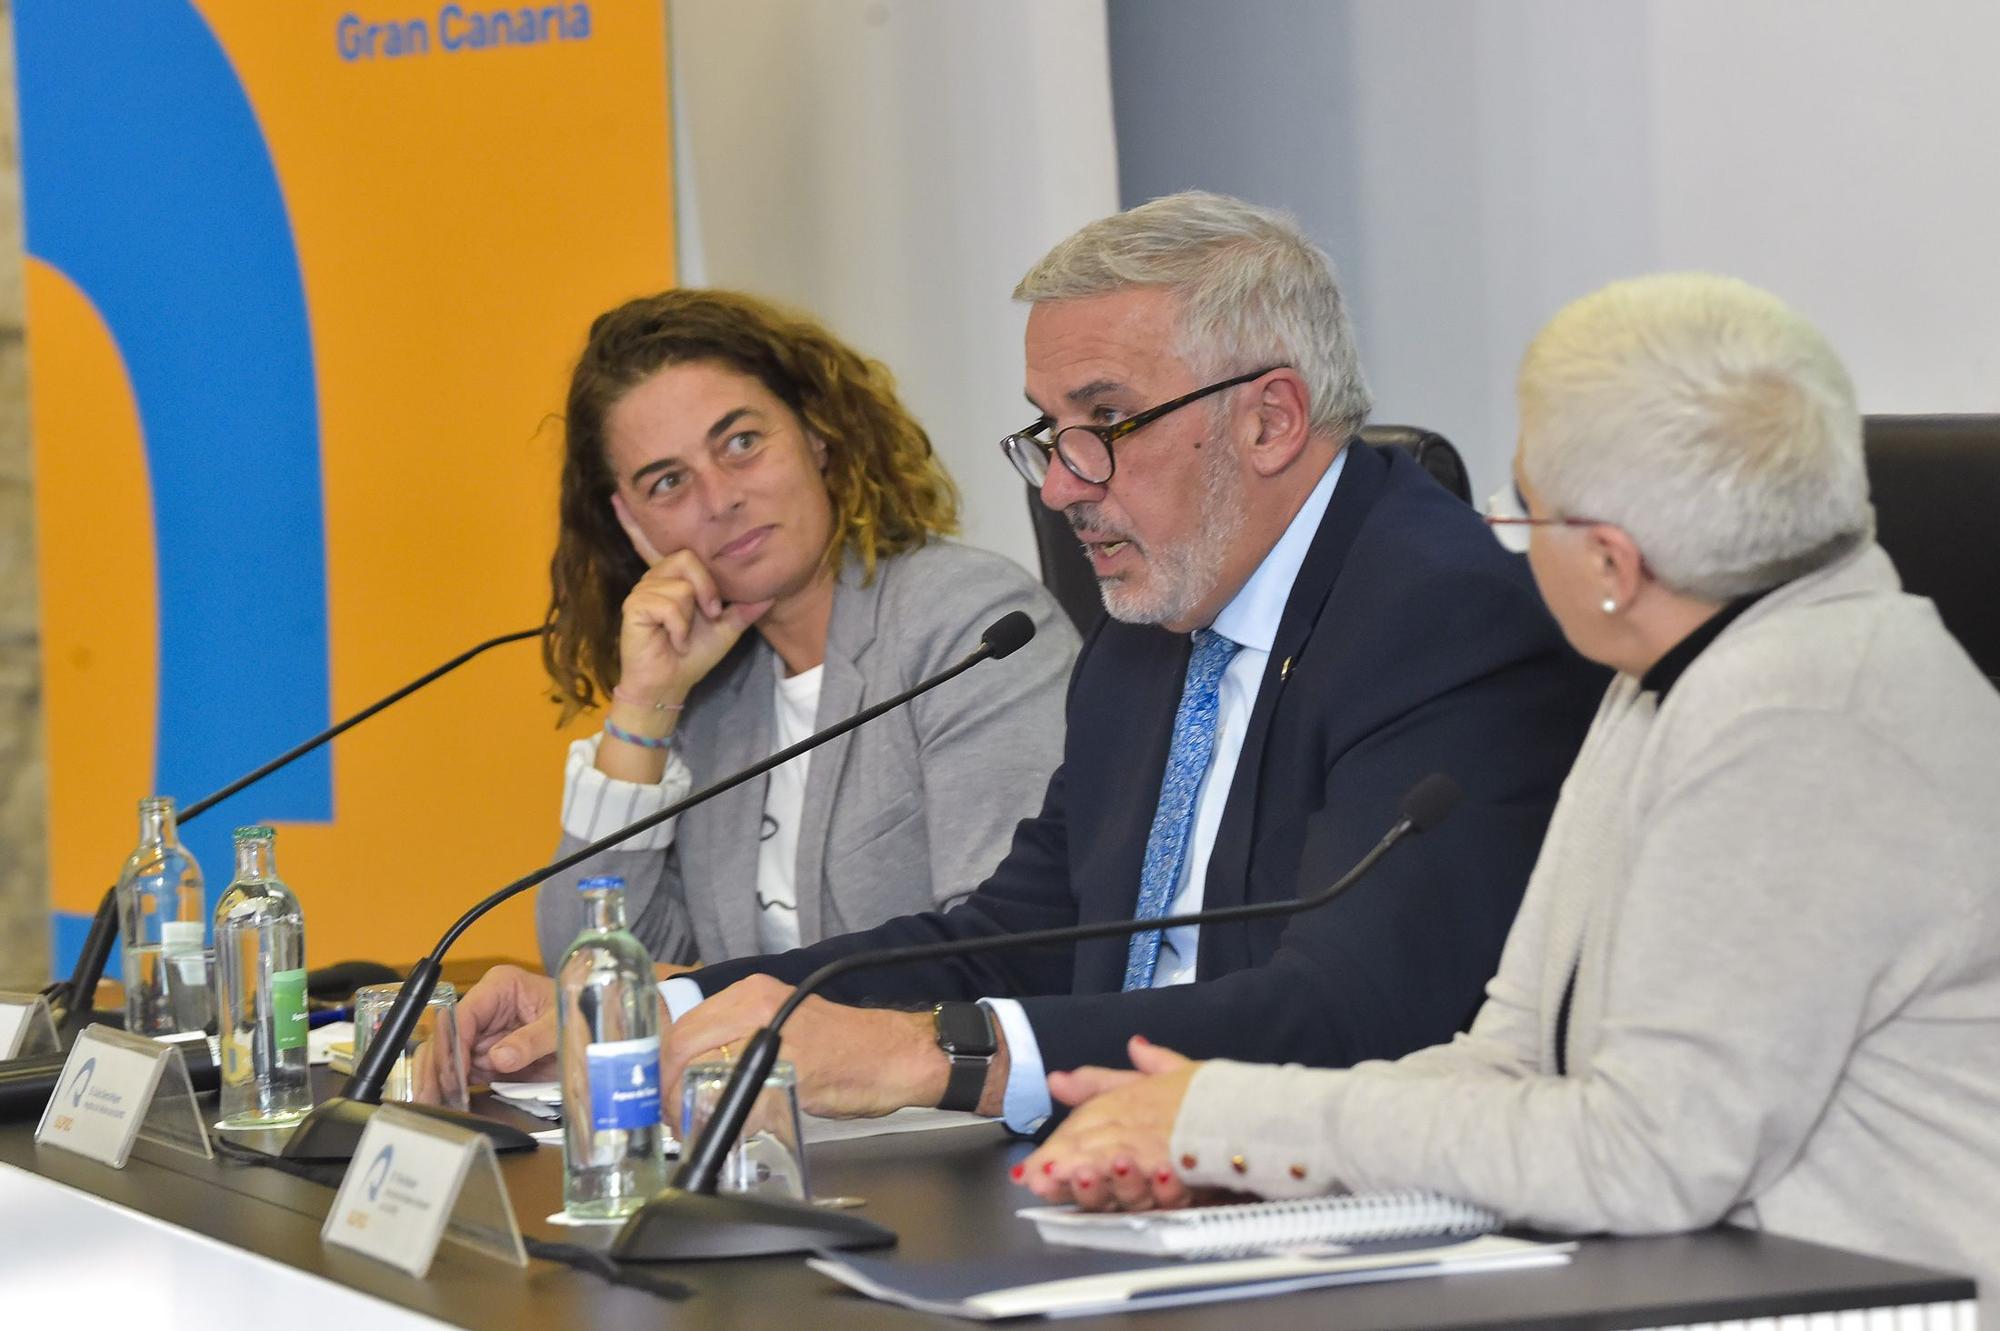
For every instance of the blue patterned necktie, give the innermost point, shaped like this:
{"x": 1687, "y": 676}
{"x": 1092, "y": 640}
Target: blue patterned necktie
{"x": 1187, "y": 762}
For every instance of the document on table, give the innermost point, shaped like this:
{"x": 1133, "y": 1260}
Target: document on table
{"x": 322, "y": 1042}
{"x": 819, "y": 1129}
{"x": 542, "y": 1099}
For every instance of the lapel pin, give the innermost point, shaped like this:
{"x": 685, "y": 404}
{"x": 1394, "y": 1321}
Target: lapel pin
{"x": 1285, "y": 670}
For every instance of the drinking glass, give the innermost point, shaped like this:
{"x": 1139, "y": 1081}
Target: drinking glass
{"x": 769, "y": 1157}
{"x": 431, "y": 1068}
{"x": 190, "y": 989}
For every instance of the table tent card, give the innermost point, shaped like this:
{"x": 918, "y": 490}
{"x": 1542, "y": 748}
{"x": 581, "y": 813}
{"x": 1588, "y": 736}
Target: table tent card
{"x": 26, "y": 1026}
{"x": 414, "y": 1181}
{"x": 117, "y": 1089}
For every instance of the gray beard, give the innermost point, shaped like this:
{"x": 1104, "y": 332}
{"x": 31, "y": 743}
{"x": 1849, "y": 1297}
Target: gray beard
{"x": 1183, "y": 573}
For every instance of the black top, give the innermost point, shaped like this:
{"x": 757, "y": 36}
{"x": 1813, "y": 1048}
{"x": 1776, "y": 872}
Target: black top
{"x": 1681, "y": 655}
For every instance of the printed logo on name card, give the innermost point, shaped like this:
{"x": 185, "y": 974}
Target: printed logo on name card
{"x": 378, "y": 1172}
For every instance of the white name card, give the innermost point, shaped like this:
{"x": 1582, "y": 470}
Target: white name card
{"x": 13, "y": 1025}
{"x": 25, "y": 1025}
{"x": 103, "y": 1094}
{"x": 400, "y": 1189}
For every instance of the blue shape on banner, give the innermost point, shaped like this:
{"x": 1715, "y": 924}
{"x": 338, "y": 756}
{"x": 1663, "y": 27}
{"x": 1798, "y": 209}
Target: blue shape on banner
{"x": 149, "y": 185}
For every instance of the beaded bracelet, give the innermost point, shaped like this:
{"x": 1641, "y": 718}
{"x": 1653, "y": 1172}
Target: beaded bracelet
{"x": 623, "y": 735}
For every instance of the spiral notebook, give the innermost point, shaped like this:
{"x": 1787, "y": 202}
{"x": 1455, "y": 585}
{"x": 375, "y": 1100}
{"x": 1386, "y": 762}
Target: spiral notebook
{"x": 1226, "y": 1231}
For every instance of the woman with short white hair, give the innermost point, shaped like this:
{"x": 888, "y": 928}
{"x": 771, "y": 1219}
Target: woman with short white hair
{"x": 1756, "y": 976}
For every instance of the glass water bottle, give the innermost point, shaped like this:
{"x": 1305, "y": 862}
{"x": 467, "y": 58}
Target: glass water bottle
{"x": 608, "y": 1046}
{"x": 260, "y": 987}
{"x": 160, "y": 921}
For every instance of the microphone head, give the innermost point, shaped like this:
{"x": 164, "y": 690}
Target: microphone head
{"x": 1007, "y": 634}
{"x": 1426, "y": 803}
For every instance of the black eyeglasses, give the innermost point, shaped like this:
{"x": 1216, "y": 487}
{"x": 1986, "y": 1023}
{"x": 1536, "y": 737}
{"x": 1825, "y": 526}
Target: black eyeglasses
{"x": 1086, "y": 449}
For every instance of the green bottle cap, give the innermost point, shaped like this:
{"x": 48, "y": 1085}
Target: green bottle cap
{"x": 255, "y": 832}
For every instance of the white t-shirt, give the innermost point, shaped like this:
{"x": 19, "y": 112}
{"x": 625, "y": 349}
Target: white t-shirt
{"x": 797, "y": 703}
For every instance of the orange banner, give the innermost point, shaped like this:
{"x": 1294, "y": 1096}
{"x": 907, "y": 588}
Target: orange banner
{"x": 272, "y": 488}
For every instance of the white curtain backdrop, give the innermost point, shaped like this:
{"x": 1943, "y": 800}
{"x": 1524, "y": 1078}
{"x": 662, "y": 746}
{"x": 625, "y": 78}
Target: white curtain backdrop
{"x": 1474, "y": 165}
{"x": 894, "y": 166}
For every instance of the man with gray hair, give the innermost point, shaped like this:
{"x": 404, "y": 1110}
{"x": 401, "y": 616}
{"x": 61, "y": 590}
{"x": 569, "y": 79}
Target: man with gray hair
{"x": 1301, "y": 627}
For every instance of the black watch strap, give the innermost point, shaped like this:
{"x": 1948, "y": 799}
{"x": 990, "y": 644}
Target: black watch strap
{"x": 966, "y": 1083}
{"x": 967, "y": 1035}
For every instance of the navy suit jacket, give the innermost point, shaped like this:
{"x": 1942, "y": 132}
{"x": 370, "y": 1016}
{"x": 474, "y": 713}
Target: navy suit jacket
{"x": 1415, "y": 645}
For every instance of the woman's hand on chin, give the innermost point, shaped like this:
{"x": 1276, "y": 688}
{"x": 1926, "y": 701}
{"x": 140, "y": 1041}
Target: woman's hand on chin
{"x": 675, "y": 626}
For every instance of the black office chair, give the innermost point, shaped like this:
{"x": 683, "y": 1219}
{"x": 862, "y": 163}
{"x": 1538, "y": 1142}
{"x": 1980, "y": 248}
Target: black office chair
{"x": 1432, "y": 451}
{"x": 1936, "y": 485}
{"x": 1066, "y": 572}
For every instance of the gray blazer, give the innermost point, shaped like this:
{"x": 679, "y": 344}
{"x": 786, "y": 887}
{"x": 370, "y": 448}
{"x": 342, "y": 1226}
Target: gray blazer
{"x": 908, "y": 813}
{"x": 1773, "y": 898}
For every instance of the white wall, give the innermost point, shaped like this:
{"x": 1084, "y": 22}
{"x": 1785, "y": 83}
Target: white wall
{"x": 894, "y": 166}
{"x": 1472, "y": 164}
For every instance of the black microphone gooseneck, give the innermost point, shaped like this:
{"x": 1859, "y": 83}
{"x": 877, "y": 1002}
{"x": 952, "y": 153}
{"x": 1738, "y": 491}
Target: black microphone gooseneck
{"x": 300, "y": 750}
{"x": 77, "y": 995}
{"x": 689, "y": 1219}
{"x": 333, "y": 1130}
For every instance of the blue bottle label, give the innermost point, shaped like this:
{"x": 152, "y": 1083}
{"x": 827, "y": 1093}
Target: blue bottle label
{"x": 625, "y": 1084}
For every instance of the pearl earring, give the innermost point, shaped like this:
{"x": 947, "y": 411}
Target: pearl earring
{"x": 1610, "y": 606}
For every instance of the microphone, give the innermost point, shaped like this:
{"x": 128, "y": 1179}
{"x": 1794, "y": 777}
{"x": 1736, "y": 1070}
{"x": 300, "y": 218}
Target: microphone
{"x": 77, "y": 996}
{"x": 1007, "y": 634}
{"x": 690, "y": 1220}
{"x": 333, "y": 1130}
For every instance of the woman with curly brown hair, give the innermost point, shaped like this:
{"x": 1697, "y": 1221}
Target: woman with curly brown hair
{"x": 752, "y": 545}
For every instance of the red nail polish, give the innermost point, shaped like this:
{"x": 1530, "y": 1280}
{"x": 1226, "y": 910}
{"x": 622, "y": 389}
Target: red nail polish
{"x": 1048, "y": 1166}
{"x": 1084, "y": 1182}
{"x": 1019, "y": 1172}
{"x": 1121, "y": 1169}
{"x": 1165, "y": 1176}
